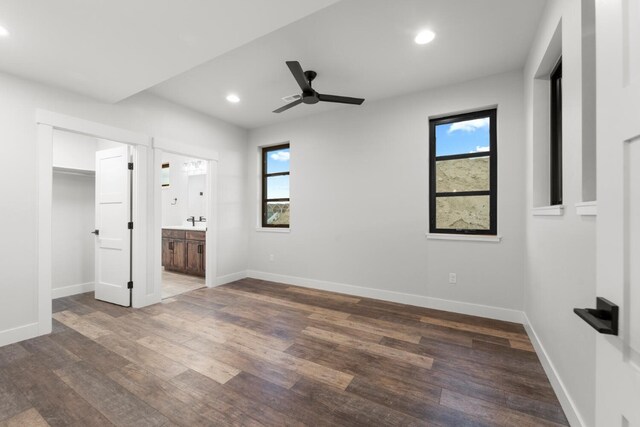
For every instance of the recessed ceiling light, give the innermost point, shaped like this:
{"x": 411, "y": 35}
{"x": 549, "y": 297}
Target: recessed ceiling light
{"x": 233, "y": 98}
{"x": 3, "y": 31}
{"x": 425, "y": 37}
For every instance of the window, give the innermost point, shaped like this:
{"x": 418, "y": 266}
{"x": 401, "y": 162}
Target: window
{"x": 463, "y": 173}
{"x": 556, "y": 135}
{"x": 275, "y": 186}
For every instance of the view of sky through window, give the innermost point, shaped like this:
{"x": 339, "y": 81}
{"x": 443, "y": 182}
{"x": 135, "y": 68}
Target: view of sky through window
{"x": 278, "y": 161}
{"x": 470, "y": 136}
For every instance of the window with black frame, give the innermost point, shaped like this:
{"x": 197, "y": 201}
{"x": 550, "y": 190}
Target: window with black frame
{"x": 275, "y": 186}
{"x": 556, "y": 135}
{"x": 463, "y": 173}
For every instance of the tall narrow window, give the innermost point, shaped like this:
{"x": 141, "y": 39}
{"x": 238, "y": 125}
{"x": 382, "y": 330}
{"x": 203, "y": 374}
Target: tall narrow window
{"x": 556, "y": 135}
{"x": 275, "y": 186}
{"x": 463, "y": 173}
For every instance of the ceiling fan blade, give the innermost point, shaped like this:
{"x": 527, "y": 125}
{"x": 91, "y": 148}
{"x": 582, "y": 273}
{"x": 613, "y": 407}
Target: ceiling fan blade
{"x": 340, "y": 99}
{"x": 298, "y": 73}
{"x": 289, "y": 105}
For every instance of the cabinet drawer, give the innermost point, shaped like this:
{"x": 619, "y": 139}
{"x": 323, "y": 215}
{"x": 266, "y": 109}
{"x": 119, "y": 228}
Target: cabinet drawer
{"x": 173, "y": 234}
{"x": 196, "y": 235}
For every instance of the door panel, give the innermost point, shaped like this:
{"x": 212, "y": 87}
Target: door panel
{"x": 204, "y": 258}
{"x": 632, "y": 247}
{"x": 112, "y": 216}
{"x": 179, "y": 258}
{"x": 166, "y": 253}
{"x": 194, "y": 257}
{"x": 618, "y": 224}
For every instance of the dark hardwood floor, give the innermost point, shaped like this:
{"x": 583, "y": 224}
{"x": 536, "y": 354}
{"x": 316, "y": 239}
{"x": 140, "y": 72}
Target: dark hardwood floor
{"x": 260, "y": 353}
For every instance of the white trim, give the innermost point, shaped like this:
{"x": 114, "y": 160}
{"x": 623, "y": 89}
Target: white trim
{"x": 556, "y": 210}
{"x": 176, "y": 147}
{"x": 66, "y": 291}
{"x": 86, "y": 127}
{"x": 568, "y": 405}
{"x": 273, "y": 230}
{"x": 20, "y": 333}
{"x": 464, "y": 237}
{"x": 44, "y": 240}
{"x": 497, "y": 313}
{"x": 587, "y": 208}
{"x": 228, "y": 278}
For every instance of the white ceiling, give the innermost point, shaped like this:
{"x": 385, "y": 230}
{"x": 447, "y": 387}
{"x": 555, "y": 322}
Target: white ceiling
{"x": 361, "y": 48}
{"x": 112, "y": 49}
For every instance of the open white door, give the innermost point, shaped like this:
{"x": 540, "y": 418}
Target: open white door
{"x": 618, "y": 235}
{"x": 113, "y": 237}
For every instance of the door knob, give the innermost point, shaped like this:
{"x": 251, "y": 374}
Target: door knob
{"x": 96, "y": 232}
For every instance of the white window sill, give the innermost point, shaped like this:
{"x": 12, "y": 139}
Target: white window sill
{"x": 587, "y": 208}
{"x": 464, "y": 237}
{"x": 273, "y": 230}
{"x": 556, "y": 210}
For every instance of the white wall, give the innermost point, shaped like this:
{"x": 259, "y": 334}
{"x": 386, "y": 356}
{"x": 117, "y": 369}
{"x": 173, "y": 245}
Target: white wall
{"x": 185, "y": 188}
{"x": 197, "y": 196}
{"x": 74, "y": 151}
{"x": 73, "y": 218}
{"x": 560, "y": 269}
{"x": 174, "y": 212}
{"x": 359, "y": 199}
{"x": 143, "y": 113}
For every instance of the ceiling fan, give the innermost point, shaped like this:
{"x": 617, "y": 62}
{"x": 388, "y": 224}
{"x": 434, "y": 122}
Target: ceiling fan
{"x": 310, "y": 96}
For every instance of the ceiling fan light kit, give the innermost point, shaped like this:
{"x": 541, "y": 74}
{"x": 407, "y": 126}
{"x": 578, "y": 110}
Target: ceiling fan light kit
{"x": 309, "y": 95}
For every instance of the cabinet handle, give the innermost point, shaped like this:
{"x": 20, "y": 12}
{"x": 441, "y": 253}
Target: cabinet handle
{"x": 199, "y": 249}
{"x": 170, "y": 246}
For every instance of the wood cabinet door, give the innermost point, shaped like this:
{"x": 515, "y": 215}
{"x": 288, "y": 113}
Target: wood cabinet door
{"x": 167, "y": 254}
{"x": 204, "y": 258}
{"x": 194, "y": 257}
{"x": 179, "y": 260}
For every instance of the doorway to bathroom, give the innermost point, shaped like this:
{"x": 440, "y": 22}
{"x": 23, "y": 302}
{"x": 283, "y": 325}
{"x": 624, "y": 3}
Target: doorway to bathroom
{"x": 186, "y": 226}
{"x": 183, "y": 181}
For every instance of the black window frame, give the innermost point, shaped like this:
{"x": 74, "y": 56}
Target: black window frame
{"x": 493, "y": 172}
{"x": 265, "y": 175}
{"x": 555, "y": 147}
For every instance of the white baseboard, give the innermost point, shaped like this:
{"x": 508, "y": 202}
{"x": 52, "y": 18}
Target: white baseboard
{"x": 72, "y": 290}
{"x": 228, "y": 278}
{"x": 20, "y": 333}
{"x": 497, "y": 313}
{"x": 568, "y": 406}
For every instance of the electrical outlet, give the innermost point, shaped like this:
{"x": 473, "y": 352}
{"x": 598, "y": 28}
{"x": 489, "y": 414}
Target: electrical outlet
{"x": 453, "y": 279}
{"x": 272, "y": 257}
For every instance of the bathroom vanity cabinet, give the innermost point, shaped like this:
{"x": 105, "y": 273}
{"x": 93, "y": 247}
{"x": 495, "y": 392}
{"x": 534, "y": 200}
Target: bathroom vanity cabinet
{"x": 184, "y": 251}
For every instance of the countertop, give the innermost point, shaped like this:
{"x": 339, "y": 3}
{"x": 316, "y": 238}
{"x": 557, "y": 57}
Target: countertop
{"x": 185, "y": 227}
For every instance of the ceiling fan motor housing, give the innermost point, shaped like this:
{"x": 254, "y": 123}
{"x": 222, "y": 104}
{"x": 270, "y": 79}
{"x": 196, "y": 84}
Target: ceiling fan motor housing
{"x": 310, "y": 97}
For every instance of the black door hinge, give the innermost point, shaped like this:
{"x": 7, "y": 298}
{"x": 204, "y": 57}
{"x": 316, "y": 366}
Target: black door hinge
{"x": 130, "y": 166}
{"x": 130, "y": 225}
{"x": 129, "y": 285}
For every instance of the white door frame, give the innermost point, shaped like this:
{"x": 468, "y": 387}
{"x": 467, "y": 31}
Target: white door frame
{"x": 161, "y": 146}
{"x": 46, "y": 122}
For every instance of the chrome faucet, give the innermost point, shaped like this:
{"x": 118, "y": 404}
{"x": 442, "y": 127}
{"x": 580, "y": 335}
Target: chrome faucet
{"x": 192, "y": 219}
{"x": 202, "y": 219}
